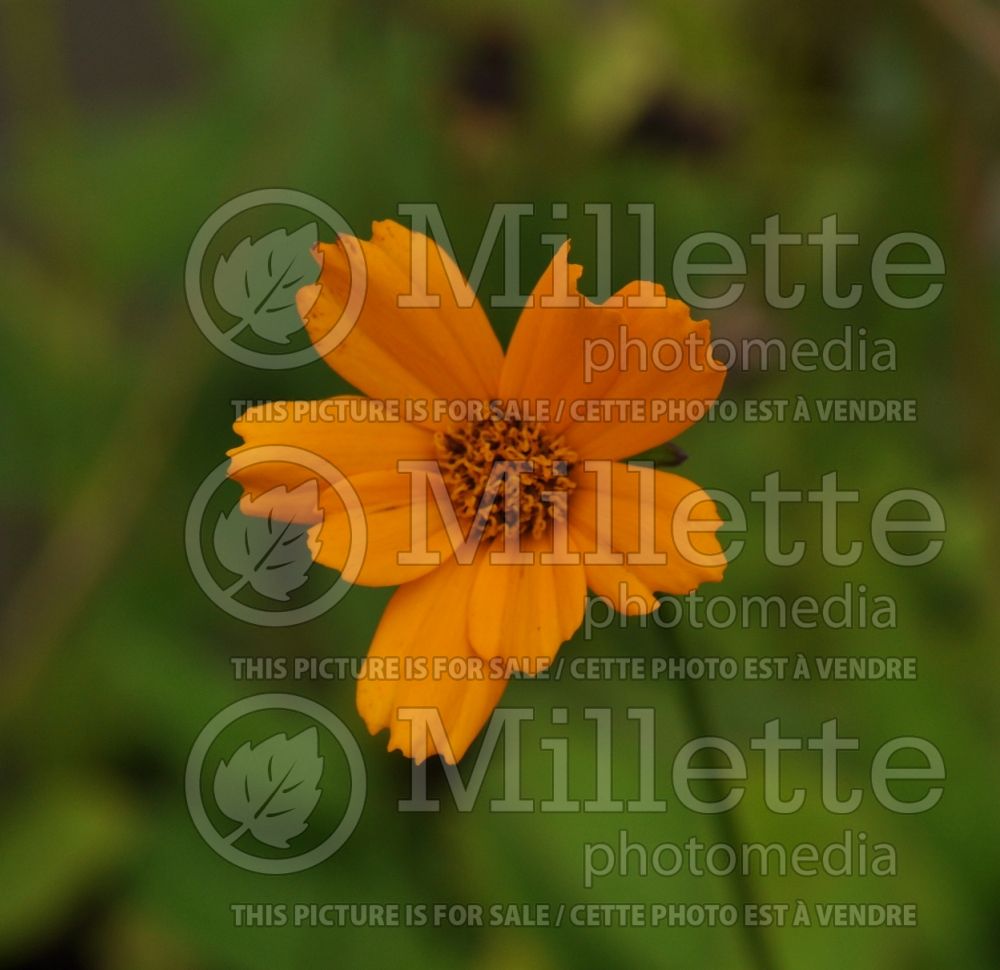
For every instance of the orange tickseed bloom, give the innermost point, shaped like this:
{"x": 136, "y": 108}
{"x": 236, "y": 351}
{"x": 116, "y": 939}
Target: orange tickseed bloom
{"x": 455, "y": 630}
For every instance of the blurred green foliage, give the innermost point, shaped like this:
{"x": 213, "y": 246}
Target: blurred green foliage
{"x": 124, "y": 125}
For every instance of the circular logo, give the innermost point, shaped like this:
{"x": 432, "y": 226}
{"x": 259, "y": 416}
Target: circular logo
{"x": 267, "y": 787}
{"x": 264, "y": 547}
{"x": 245, "y": 266}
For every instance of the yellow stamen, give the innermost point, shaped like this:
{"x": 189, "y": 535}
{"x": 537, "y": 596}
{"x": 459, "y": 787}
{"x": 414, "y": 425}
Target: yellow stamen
{"x": 467, "y": 453}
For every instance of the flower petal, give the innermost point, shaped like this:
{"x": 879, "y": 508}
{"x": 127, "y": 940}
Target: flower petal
{"x": 390, "y": 516}
{"x": 523, "y": 612}
{"x": 622, "y": 589}
{"x": 396, "y": 350}
{"x": 651, "y": 356}
{"x": 289, "y": 443}
{"x": 658, "y": 528}
{"x": 355, "y": 434}
{"x": 425, "y": 625}
{"x": 544, "y": 357}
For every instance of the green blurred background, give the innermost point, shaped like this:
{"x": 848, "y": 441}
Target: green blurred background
{"x": 124, "y": 125}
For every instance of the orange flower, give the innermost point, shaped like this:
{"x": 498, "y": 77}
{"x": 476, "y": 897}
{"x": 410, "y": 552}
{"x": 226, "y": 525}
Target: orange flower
{"x": 454, "y": 630}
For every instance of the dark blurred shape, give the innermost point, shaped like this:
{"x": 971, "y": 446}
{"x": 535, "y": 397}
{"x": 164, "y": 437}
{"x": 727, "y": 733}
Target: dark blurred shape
{"x": 20, "y": 527}
{"x": 142, "y": 768}
{"x": 68, "y": 947}
{"x": 123, "y": 51}
{"x": 490, "y": 75}
{"x": 669, "y": 124}
{"x": 811, "y": 47}
{"x": 486, "y": 95}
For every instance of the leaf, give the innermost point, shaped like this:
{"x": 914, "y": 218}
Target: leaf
{"x": 270, "y": 541}
{"x": 271, "y": 789}
{"x": 258, "y": 280}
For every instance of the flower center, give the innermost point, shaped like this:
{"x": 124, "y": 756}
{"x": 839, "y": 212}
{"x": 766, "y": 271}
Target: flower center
{"x": 469, "y": 453}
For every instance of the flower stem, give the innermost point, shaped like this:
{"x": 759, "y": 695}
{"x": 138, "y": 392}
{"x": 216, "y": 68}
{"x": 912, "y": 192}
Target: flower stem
{"x": 696, "y": 713}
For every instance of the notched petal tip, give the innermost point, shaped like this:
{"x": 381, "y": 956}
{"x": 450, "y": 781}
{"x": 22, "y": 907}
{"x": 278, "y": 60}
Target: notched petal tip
{"x": 382, "y": 229}
{"x": 404, "y": 326}
{"x": 571, "y": 273}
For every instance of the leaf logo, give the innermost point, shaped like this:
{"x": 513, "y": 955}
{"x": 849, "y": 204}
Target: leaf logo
{"x": 258, "y": 280}
{"x": 271, "y": 789}
{"x": 270, "y": 541}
